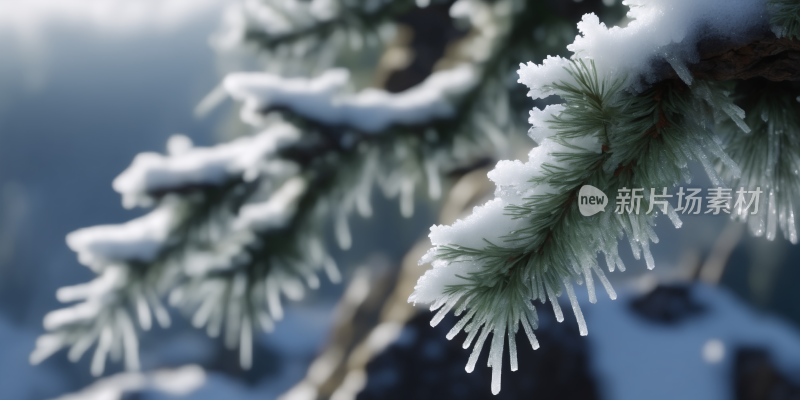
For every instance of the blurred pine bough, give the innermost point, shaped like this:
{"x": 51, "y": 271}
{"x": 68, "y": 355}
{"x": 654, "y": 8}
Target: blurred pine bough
{"x": 351, "y": 95}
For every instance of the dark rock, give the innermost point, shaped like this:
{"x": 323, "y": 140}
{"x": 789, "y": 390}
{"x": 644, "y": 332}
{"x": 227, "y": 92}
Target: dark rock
{"x": 756, "y": 378}
{"x": 667, "y": 304}
{"x": 423, "y": 364}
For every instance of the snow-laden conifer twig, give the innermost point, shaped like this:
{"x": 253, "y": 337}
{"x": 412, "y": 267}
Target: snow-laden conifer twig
{"x": 191, "y": 234}
{"x": 240, "y": 225}
{"x": 529, "y": 242}
{"x": 323, "y": 100}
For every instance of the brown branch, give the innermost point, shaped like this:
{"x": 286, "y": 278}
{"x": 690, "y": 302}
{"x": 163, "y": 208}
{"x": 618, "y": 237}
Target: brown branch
{"x": 766, "y": 56}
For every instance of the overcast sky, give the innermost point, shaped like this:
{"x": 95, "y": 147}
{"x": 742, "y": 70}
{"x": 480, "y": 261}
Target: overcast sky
{"x": 31, "y": 30}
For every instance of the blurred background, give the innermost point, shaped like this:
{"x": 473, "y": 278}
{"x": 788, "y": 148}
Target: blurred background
{"x": 87, "y": 85}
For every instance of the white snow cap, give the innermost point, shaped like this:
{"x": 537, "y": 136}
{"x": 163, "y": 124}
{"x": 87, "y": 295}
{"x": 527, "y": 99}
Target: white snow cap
{"x": 324, "y": 99}
{"x": 665, "y": 30}
{"x": 175, "y": 382}
{"x": 140, "y": 239}
{"x": 276, "y": 212}
{"x": 187, "y": 166}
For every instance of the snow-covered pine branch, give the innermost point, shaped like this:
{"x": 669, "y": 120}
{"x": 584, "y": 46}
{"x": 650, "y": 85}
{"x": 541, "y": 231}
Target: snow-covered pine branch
{"x": 237, "y": 226}
{"x": 191, "y": 232}
{"x": 322, "y": 100}
{"x": 622, "y": 125}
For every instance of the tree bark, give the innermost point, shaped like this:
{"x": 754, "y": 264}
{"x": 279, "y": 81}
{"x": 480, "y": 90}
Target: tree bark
{"x": 766, "y": 56}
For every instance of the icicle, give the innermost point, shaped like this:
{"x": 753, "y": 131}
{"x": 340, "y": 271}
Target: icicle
{"x": 673, "y": 216}
{"x": 115, "y": 353}
{"x": 407, "y": 198}
{"x": 463, "y": 306}
{"x": 771, "y": 216}
{"x": 540, "y": 290}
{"x": 273, "y": 298}
{"x": 162, "y": 316}
{"x": 680, "y": 68}
{"x": 709, "y": 168}
{"x": 312, "y": 280}
{"x": 292, "y": 288}
{"x": 498, "y": 339}
{"x": 177, "y": 296}
{"x": 532, "y": 284}
{"x": 648, "y": 257}
{"x": 757, "y": 223}
{"x": 529, "y": 332}
{"x": 363, "y": 205}
{"x": 79, "y": 348}
{"x": 460, "y": 324}
{"x": 100, "y": 353}
{"x": 235, "y": 311}
{"x": 440, "y": 315}
{"x": 737, "y": 115}
{"x": 726, "y": 160}
{"x": 439, "y": 302}
{"x": 434, "y": 181}
{"x": 587, "y": 273}
{"x": 472, "y": 330}
{"x": 342, "y": 231}
{"x": 610, "y": 262}
{"x": 790, "y": 225}
{"x": 576, "y": 308}
{"x": 246, "y": 344}
{"x": 331, "y": 270}
{"x": 130, "y": 343}
{"x": 142, "y": 310}
{"x": 577, "y": 272}
{"x": 620, "y": 264}
{"x": 534, "y": 318}
{"x": 46, "y": 346}
{"x": 606, "y": 284}
{"x": 496, "y": 356}
{"x": 650, "y": 233}
{"x": 513, "y": 327}
{"x": 554, "y": 301}
{"x": 265, "y": 322}
{"x": 202, "y": 314}
{"x": 782, "y": 221}
{"x": 634, "y": 238}
{"x": 214, "y": 327}
{"x": 476, "y": 351}
{"x": 637, "y": 252}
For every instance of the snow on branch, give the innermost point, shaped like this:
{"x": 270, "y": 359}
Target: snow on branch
{"x": 140, "y": 239}
{"x": 622, "y": 125}
{"x": 662, "y": 32}
{"x": 187, "y": 166}
{"x": 324, "y": 99}
{"x": 202, "y": 225}
{"x": 175, "y": 382}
